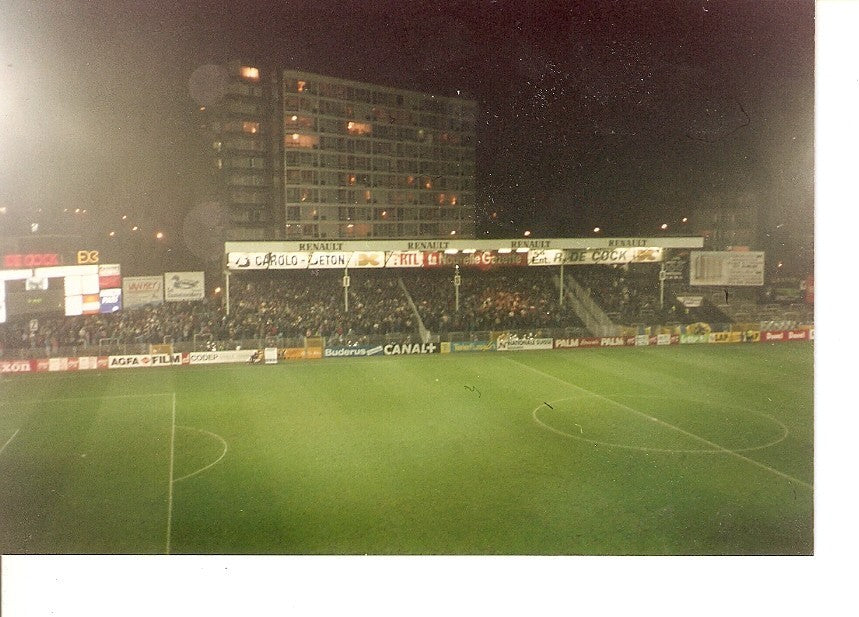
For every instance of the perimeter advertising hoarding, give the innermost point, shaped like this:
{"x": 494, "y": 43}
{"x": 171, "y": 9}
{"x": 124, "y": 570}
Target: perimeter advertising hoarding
{"x": 726, "y": 268}
{"x": 147, "y": 360}
{"x": 302, "y": 261}
{"x": 342, "y": 259}
{"x": 478, "y": 259}
{"x": 402, "y": 349}
{"x": 180, "y": 286}
{"x": 558, "y": 257}
{"x": 142, "y": 290}
{"x": 504, "y": 343}
{"x": 220, "y": 357}
{"x": 292, "y": 260}
{"x": 16, "y": 366}
{"x": 405, "y": 259}
{"x": 268, "y": 261}
{"x": 456, "y": 346}
{"x": 355, "y": 351}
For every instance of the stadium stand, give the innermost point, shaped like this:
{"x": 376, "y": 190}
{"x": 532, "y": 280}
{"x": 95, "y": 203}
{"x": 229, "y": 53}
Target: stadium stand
{"x": 493, "y": 300}
{"x": 273, "y": 308}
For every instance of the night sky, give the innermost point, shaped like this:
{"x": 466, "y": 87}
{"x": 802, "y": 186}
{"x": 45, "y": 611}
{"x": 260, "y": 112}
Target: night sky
{"x": 617, "y": 114}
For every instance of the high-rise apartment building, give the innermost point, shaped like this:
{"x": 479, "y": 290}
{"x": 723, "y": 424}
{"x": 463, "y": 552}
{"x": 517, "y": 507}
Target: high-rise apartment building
{"x": 298, "y": 155}
{"x": 242, "y": 137}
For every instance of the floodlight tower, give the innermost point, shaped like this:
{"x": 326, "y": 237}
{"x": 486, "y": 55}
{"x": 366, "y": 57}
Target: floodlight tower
{"x": 457, "y": 281}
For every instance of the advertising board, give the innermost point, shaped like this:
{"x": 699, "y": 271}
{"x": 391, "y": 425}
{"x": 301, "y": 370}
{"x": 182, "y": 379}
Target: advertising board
{"x": 355, "y": 351}
{"x": 456, "y": 346}
{"x": 405, "y": 259}
{"x": 694, "y": 338}
{"x": 109, "y": 300}
{"x": 16, "y": 366}
{"x": 142, "y": 290}
{"x": 180, "y": 286}
{"x": 220, "y": 357}
{"x": 780, "y": 336}
{"x": 147, "y": 360}
{"x": 557, "y": 257}
{"x": 726, "y": 268}
{"x": 511, "y": 343}
{"x": 477, "y": 259}
{"x": 398, "y": 349}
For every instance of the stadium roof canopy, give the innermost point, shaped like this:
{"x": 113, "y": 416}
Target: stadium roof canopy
{"x": 443, "y": 244}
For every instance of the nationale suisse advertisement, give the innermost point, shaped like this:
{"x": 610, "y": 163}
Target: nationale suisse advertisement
{"x": 505, "y": 343}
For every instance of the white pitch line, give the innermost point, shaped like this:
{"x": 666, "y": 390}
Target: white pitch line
{"x": 9, "y": 440}
{"x": 170, "y": 485}
{"x": 85, "y": 398}
{"x": 213, "y": 463}
{"x": 668, "y": 425}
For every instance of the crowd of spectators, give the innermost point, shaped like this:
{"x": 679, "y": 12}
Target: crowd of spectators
{"x": 298, "y": 305}
{"x": 627, "y": 293}
{"x": 312, "y": 304}
{"x": 173, "y": 321}
{"x": 512, "y": 299}
{"x": 676, "y": 312}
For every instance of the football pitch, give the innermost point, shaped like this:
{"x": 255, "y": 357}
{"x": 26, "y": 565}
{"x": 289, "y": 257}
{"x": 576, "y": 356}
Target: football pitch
{"x": 683, "y": 450}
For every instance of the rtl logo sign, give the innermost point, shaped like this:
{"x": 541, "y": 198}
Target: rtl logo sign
{"x": 31, "y": 260}
{"x": 87, "y": 257}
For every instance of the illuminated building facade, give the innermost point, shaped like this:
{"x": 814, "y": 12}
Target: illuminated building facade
{"x": 242, "y": 137}
{"x": 303, "y": 156}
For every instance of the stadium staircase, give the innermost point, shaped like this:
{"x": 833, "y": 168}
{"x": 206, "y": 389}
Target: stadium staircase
{"x": 425, "y": 334}
{"x": 595, "y": 319}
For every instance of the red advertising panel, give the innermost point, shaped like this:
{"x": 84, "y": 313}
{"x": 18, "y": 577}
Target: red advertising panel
{"x": 477, "y": 259}
{"x": 779, "y": 336}
{"x": 31, "y": 260}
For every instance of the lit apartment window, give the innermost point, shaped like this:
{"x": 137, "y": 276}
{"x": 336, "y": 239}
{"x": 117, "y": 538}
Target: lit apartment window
{"x": 294, "y": 120}
{"x": 301, "y": 86}
{"x": 249, "y": 72}
{"x": 297, "y": 140}
{"x": 250, "y": 127}
{"x": 359, "y": 128}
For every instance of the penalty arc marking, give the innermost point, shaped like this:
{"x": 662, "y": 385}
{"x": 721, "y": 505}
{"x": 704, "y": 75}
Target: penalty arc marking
{"x": 709, "y": 443}
{"x": 210, "y": 465}
{"x": 611, "y": 444}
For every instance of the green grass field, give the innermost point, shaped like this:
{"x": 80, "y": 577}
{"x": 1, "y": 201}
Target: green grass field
{"x": 687, "y": 450}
